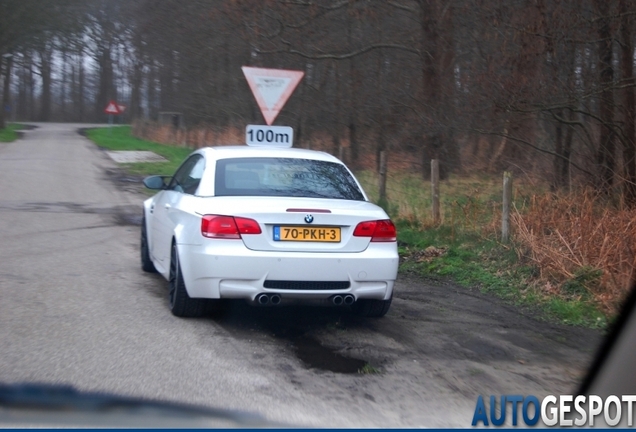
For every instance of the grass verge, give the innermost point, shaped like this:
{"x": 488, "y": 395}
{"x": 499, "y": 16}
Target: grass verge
{"x": 120, "y": 138}
{"x": 463, "y": 247}
{"x": 9, "y": 133}
{"x": 472, "y": 260}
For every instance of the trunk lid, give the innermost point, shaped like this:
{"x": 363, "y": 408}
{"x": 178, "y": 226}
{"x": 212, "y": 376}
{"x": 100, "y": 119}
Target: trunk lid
{"x": 284, "y": 222}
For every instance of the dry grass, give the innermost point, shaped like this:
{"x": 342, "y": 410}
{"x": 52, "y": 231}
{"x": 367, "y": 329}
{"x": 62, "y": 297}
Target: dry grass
{"x": 192, "y": 138}
{"x": 582, "y": 246}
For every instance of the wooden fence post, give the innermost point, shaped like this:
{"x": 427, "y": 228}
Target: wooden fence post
{"x": 505, "y": 214}
{"x": 435, "y": 190}
{"x": 382, "y": 176}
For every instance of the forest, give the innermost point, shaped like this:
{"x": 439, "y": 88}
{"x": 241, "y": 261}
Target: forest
{"x": 535, "y": 86}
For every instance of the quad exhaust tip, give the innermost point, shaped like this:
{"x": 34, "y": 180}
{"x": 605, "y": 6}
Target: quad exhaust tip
{"x": 268, "y": 299}
{"x": 275, "y": 299}
{"x": 340, "y": 300}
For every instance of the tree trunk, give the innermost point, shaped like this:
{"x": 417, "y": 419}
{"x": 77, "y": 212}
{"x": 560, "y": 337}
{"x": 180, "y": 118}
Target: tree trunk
{"x": 64, "y": 86}
{"x": 564, "y": 170}
{"x": 629, "y": 144}
{"x": 431, "y": 83}
{"x": 45, "y": 70}
{"x": 607, "y": 145}
{"x": 22, "y": 99}
{"x": 6, "y": 91}
{"x": 354, "y": 147}
{"x": 106, "y": 90}
{"x": 436, "y": 46}
{"x": 557, "y": 181}
{"x": 135, "y": 94}
{"x": 152, "y": 92}
{"x": 166, "y": 75}
{"x": 31, "y": 89}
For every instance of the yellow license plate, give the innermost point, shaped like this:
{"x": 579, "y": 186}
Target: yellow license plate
{"x": 307, "y": 234}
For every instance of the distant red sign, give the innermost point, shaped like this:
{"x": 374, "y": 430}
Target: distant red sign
{"x": 112, "y": 108}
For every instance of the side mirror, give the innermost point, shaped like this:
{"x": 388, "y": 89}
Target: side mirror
{"x": 155, "y": 182}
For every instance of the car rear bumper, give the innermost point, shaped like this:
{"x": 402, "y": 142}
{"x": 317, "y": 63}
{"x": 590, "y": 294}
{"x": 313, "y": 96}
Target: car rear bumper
{"x": 227, "y": 269}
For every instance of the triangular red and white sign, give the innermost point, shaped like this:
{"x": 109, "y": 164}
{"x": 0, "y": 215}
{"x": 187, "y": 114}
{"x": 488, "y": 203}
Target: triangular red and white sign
{"x": 271, "y": 88}
{"x": 112, "y": 108}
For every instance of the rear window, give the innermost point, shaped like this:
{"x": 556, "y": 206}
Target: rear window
{"x": 286, "y": 177}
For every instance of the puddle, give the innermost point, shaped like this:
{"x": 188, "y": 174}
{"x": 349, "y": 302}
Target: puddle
{"x": 120, "y": 215}
{"x": 314, "y": 355}
{"x": 128, "y": 219}
{"x": 293, "y": 325}
{"x": 128, "y": 179}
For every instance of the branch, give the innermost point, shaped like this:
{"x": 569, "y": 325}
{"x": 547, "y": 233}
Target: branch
{"x": 573, "y": 123}
{"x": 401, "y": 6}
{"x": 341, "y": 56}
{"x": 309, "y": 3}
{"x": 529, "y": 144}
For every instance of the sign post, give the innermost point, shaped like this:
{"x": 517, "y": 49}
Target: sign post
{"x": 112, "y": 109}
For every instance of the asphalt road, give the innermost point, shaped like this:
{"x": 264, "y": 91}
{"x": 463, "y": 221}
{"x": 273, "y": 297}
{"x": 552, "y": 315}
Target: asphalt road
{"x": 77, "y": 309}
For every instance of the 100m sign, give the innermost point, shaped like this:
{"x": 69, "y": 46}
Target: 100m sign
{"x": 271, "y": 136}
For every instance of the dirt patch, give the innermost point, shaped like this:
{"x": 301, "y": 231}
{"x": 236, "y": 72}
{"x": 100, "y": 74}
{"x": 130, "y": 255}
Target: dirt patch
{"x": 117, "y": 215}
{"x": 439, "y": 343}
{"x": 123, "y": 180}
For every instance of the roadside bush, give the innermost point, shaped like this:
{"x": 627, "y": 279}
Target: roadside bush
{"x": 583, "y": 246}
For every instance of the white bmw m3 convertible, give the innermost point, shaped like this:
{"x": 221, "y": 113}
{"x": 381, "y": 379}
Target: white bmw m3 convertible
{"x": 271, "y": 226}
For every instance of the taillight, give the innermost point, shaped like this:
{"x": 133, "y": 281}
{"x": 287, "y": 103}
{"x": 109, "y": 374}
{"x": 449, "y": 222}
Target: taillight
{"x": 227, "y": 227}
{"x": 365, "y": 229}
{"x": 379, "y": 231}
{"x": 247, "y": 226}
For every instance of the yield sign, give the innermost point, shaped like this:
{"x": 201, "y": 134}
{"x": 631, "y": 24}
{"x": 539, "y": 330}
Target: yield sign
{"x": 112, "y": 108}
{"x": 271, "y": 88}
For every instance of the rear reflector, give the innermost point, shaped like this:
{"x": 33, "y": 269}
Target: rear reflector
{"x": 379, "y": 231}
{"x": 227, "y": 227}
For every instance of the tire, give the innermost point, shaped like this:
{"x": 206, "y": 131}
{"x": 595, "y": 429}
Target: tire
{"x": 372, "y": 308}
{"x": 146, "y": 262}
{"x": 181, "y": 304}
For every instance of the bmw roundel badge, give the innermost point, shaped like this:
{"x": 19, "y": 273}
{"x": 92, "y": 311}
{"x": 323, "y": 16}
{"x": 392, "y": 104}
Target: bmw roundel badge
{"x": 309, "y": 218}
